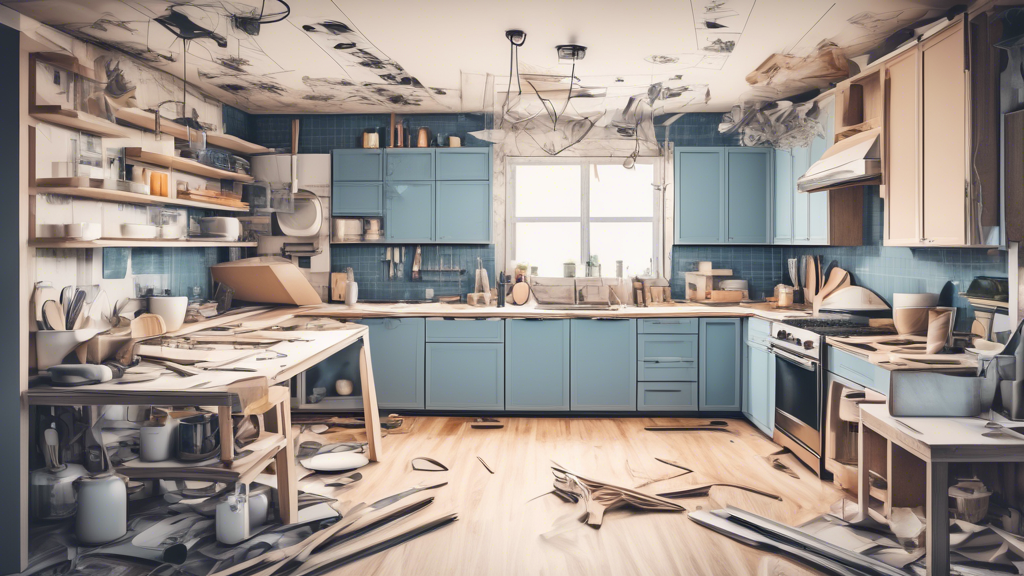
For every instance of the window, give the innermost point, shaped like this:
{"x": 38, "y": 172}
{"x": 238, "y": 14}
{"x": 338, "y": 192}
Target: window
{"x": 573, "y": 209}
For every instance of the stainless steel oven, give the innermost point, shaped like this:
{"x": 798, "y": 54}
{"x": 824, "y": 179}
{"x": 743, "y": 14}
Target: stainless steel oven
{"x": 799, "y": 394}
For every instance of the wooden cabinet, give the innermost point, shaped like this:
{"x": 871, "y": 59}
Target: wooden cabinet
{"x": 603, "y": 364}
{"x": 721, "y": 359}
{"x": 902, "y": 150}
{"x": 723, "y": 195}
{"x": 537, "y": 365}
{"x": 397, "y": 345}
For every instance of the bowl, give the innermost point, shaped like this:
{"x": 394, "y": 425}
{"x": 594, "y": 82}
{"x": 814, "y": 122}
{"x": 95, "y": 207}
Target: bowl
{"x": 82, "y": 231}
{"x": 171, "y": 308}
{"x": 911, "y": 320}
{"x": 138, "y": 231}
{"x": 52, "y": 346}
{"x": 915, "y": 300}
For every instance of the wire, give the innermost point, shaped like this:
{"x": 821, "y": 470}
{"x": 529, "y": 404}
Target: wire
{"x": 280, "y": 16}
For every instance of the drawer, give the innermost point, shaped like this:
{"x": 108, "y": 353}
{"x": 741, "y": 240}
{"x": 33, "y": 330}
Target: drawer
{"x": 669, "y": 326}
{"x": 667, "y": 396}
{"x": 441, "y": 330}
{"x": 463, "y": 164}
{"x": 858, "y": 370}
{"x": 667, "y": 357}
{"x": 758, "y": 331}
{"x": 357, "y": 165}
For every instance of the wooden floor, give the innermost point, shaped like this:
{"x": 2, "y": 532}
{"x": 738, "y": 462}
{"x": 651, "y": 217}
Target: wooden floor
{"x": 500, "y": 525}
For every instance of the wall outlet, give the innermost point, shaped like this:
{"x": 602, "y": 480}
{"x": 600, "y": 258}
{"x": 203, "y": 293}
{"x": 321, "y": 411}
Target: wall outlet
{"x": 430, "y": 293}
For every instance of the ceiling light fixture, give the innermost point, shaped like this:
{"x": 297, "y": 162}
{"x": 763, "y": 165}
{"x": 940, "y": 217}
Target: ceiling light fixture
{"x": 516, "y": 38}
{"x": 571, "y": 52}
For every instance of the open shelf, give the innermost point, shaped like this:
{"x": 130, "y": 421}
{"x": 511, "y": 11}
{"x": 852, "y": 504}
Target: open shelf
{"x": 183, "y": 165}
{"x": 136, "y": 243}
{"x": 75, "y": 120}
{"x": 131, "y": 198}
{"x": 147, "y": 121}
{"x": 243, "y": 470}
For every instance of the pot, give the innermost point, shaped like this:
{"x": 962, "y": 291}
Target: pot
{"x": 198, "y": 437}
{"x": 102, "y": 509}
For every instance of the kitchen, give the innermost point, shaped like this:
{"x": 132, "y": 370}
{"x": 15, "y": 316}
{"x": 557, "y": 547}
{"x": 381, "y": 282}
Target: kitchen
{"x": 285, "y": 307}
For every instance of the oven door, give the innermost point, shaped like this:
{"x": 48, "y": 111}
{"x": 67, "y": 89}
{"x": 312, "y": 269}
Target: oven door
{"x": 798, "y": 399}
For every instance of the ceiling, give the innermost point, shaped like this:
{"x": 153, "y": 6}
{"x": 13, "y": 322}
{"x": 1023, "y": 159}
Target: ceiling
{"x": 446, "y": 55}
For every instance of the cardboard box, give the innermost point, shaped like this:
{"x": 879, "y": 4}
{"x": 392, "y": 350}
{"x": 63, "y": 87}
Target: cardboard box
{"x": 267, "y": 280}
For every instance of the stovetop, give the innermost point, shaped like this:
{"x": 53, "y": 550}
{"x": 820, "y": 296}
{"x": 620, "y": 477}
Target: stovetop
{"x": 837, "y": 326}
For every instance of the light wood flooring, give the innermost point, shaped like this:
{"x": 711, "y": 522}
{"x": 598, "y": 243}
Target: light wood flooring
{"x": 500, "y": 524}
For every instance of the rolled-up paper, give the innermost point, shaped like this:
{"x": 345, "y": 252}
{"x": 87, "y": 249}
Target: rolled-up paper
{"x": 939, "y": 324}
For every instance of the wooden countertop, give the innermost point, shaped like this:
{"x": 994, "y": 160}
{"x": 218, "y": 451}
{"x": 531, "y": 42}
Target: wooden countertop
{"x": 890, "y": 358}
{"x": 944, "y": 439}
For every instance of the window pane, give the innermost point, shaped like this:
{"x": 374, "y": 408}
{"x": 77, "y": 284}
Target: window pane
{"x": 547, "y": 245}
{"x": 631, "y": 242}
{"x": 552, "y": 190}
{"x": 616, "y": 191}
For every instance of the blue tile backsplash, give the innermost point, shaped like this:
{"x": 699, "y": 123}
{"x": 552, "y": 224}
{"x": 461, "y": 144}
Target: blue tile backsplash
{"x": 370, "y": 269}
{"x": 884, "y": 269}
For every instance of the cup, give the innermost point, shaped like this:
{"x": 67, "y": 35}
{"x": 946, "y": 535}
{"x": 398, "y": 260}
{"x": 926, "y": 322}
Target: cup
{"x": 171, "y": 309}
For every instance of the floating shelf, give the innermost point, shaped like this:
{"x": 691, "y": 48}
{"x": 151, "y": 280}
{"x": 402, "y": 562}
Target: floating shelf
{"x": 130, "y": 198}
{"x": 147, "y": 120}
{"x": 78, "y": 121}
{"x": 137, "y": 243}
{"x": 183, "y": 165}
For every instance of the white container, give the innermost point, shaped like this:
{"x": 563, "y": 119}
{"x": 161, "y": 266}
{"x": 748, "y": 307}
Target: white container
{"x": 171, "y": 308}
{"x": 83, "y": 231}
{"x": 351, "y": 293}
{"x": 102, "y": 510}
{"x": 156, "y": 439}
{"x": 141, "y": 231}
{"x": 53, "y": 345}
{"x": 259, "y": 509}
{"x": 221, "y": 227}
{"x": 232, "y": 517}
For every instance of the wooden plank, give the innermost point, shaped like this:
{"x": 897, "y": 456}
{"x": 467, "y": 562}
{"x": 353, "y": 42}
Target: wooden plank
{"x": 279, "y": 420}
{"x": 133, "y": 198}
{"x": 183, "y": 165}
{"x": 371, "y": 416}
{"x": 846, "y": 216}
{"x": 147, "y": 120}
{"x": 1013, "y": 171}
{"x": 74, "y": 120}
{"x": 937, "y": 512}
{"x": 906, "y": 475}
{"x": 136, "y": 242}
{"x": 227, "y": 434}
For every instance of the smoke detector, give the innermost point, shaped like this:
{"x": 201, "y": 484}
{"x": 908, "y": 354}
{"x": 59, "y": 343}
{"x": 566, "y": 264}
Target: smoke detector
{"x": 571, "y": 52}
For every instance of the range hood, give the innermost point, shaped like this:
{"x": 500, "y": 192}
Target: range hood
{"x": 854, "y": 161}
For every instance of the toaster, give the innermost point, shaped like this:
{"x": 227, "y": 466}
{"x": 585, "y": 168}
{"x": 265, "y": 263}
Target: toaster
{"x": 220, "y": 227}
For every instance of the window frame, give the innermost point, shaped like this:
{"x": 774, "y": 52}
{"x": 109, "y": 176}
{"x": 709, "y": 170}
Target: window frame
{"x": 584, "y": 219}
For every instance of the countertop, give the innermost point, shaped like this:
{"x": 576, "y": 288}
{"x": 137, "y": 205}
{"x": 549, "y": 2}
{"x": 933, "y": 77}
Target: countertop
{"x": 898, "y": 357}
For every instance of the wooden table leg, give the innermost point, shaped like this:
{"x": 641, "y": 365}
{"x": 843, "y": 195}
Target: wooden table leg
{"x": 374, "y": 447}
{"x": 863, "y": 482}
{"x": 227, "y": 434}
{"x": 279, "y": 419}
{"x": 937, "y": 509}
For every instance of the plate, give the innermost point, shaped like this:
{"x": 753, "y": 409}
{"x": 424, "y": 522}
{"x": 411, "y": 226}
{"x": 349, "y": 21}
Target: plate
{"x": 335, "y": 462}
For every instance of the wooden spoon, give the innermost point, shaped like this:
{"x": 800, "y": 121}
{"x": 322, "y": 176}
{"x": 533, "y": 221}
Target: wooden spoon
{"x": 835, "y": 280}
{"x": 144, "y": 327}
{"x": 53, "y": 316}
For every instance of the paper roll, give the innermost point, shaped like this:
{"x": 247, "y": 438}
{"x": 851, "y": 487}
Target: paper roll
{"x": 939, "y": 325}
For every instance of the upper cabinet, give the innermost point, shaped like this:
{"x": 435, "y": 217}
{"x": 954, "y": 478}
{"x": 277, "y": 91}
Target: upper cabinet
{"x": 934, "y": 137}
{"x": 830, "y": 218}
{"x": 723, "y": 195}
{"x": 409, "y": 164}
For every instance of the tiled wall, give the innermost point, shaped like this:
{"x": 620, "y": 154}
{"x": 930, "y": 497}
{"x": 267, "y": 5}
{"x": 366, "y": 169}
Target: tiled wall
{"x": 881, "y": 268}
{"x": 178, "y": 269}
{"x": 695, "y": 129}
{"x": 368, "y": 266}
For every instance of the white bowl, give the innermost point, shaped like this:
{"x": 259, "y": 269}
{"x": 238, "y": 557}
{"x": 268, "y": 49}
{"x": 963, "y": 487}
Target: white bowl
{"x": 915, "y": 300}
{"x": 138, "y": 231}
{"x": 52, "y": 346}
{"x": 171, "y": 309}
{"x": 82, "y": 231}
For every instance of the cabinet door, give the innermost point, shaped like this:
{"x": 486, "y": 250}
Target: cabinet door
{"x": 720, "y": 364}
{"x": 409, "y": 211}
{"x": 784, "y": 190}
{"x": 603, "y": 365}
{"x": 340, "y": 365}
{"x": 667, "y": 357}
{"x": 357, "y": 165}
{"x": 357, "y": 198}
{"x": 463, "y": 212}
{"x": 749, "y": 194}
{"x": 817, "y": 204}
{"x": 463, "y": 164}
{"x": 801, "y": 200}
{"x": 757, "y": 374}
{"x": 410, "y": 164}
{"x": 903, "y": 139}
{"x": 465, "y": 376}
{"x": 943, "y": 120}
{"x": 537, "y": 365}
{"x": 700, "y": 195}
{"x": 397, "y": 353}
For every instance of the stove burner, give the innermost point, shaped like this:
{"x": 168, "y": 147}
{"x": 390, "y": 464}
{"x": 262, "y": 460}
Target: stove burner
{"x": 840, "y": 327}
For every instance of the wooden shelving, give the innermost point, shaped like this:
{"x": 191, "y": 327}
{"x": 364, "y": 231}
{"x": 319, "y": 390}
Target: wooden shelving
{"x": 183, "y": 165}
{"x": 243, "y": 470}
{"x": 147, "y": 121}
{"x": 137, "y": 243}
{"x": 75, "y": 120}
{"x": 130, "y": 198}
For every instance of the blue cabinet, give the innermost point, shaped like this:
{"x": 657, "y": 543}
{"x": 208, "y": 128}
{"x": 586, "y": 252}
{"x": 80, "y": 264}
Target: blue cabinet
{"x": 603, "y": 365}
{"x": 463, "y": 163}
{"x": 802, "y": 218}
{"x": 397, "y": 355}
{"x": 784, "y": 190}
{"x": 801, "y": 200}
{"x": 409, "y": 164}
{"x": 700, "y": 195}
{"x": 465, "y": 376}
{"x": 723, "y": 195}
{"x": 720, "y": 364}
{"x": 464, "y": 330}
{"x": 357, "y": 198}
{"x": 537, "y": 365}
{"x": 749, "y": 195}
{"x": 666, "y": 357}
{"x": 463, "y": 212}
{"x": 357, "y": 165}
{"x": 409, "y": 211}
{"x": 668, "y": 326}
{"x": 666, "y": 396}
{"x": 759, "y": 387}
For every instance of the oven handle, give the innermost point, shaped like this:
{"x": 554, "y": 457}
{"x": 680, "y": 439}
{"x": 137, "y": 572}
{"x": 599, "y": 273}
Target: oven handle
{"x": 808, "y": 365}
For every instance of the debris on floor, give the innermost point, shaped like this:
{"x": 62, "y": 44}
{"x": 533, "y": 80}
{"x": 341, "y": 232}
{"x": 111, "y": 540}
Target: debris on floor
{"x": 485, "y": 422}
{"x": 425, "y": 464}
{"x": 775, "y": 460}
{"x": 599, "y": 497}
{"x": 705, "y": 490}
{"x": 485, "y": 464}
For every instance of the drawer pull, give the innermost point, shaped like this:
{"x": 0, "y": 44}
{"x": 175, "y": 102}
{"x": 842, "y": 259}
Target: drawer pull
{"x": 668, "y": 360}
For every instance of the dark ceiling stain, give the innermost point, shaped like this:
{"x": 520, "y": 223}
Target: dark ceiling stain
{"x": 102, "y": 24}
{"x": 335, "y": 27}
{"x": 309, "y": 28}
{"x": 318, "y": 97}
{"x": 440, "y": 91}
{"x": 326, "y": 82}
{"x": 667, "y": 93}
{"x": 369, "y": 59}
{"x": 234, "y": 63}
{"x": 661, "y": 59}
{"x": 269, "y": 87}
{"x": 117, "y": 84}
{"x": 182, "y": 26}
{"x": 711, "y": 24}
{"x": 233, "y": 88}
{"x": 394, "y": 97}
{"x": 344, "y": 45}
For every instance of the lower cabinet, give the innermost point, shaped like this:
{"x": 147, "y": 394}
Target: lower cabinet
{"x": 340, "y": 365}
{"x": 759, "y": 387}
{"x": 465, "y": 376}
{"x": 396, "y": 352}
{"x": 603, "y": 374}
{"x": 666, "y": 396}
{"x": 537, "y": 365}
{"x": 720, "y": 365}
